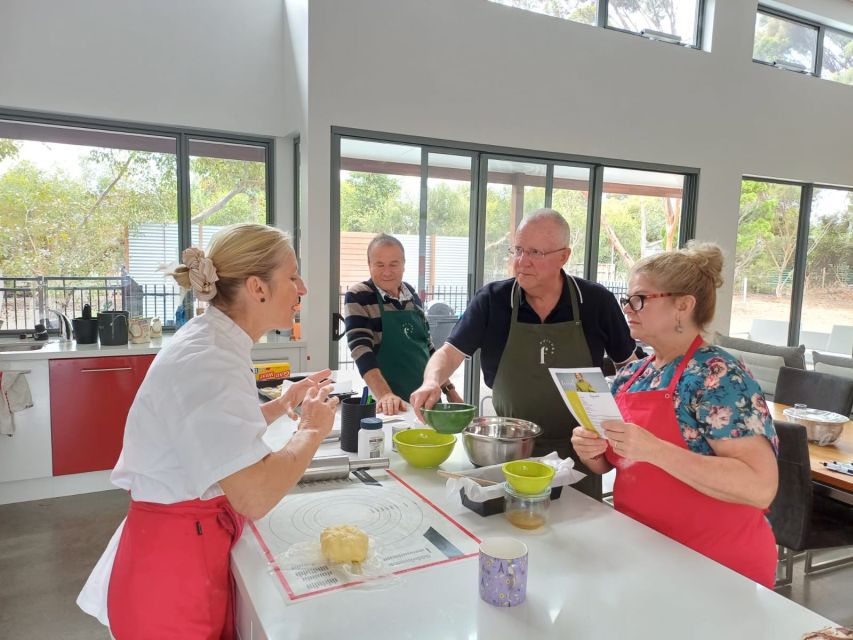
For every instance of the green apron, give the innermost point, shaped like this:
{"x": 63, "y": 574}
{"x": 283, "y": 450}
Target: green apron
{"x": 404, "y": 350}
{"x": 523, "y": 386}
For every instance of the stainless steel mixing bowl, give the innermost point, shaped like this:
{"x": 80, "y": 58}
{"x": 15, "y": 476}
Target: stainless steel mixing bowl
{"x": 492, "y": 440}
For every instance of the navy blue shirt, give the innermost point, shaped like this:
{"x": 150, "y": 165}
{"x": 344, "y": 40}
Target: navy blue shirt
{"x": 485, "y": 323}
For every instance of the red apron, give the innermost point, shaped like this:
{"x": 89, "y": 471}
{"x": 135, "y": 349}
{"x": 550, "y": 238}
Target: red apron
{"x": 172, "y": 572}
{"x": 735, "y": 535}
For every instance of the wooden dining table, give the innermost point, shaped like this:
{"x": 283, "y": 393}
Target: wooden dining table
{"x": 840, "y": 451}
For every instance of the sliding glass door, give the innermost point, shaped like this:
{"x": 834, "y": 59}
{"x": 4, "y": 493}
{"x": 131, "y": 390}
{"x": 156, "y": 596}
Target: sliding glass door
{"x": 456, "y": 210}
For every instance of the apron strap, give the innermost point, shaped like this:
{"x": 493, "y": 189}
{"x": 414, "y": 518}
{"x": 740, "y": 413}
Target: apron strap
{"x": 697, "y": 341}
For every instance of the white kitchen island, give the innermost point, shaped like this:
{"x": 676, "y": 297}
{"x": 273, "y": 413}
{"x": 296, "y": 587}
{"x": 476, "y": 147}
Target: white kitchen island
{"x": 594, "y": 573}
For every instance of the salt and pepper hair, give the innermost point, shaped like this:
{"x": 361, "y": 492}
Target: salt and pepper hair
{"x": 553, "y": 217}
{"x": 239, "y": 251}
{"x": 384, "y": 240}
{"x": 695, "y": 270}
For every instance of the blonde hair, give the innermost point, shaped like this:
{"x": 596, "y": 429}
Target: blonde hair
{"x": 695, "y": 270}
{"x": 238, "y": 252}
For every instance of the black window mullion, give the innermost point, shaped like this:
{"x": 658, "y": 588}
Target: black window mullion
{"x": 269, "y": 176}
{"x": 297, "y": 224}
{"x": 687, "y": 224}
{"x": 184, "y": 206}
{"x": 818, "y": 55}
{"x": 549, "y": 184}
{"x": 593, "y": 222}
{"x": 422, "y": 222}
{"x": 601, "y": 13}
{"x": 801, "y": 254}
{"x": 700, "y": 24}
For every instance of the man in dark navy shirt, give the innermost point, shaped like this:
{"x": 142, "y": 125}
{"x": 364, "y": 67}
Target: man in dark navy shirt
{"x": 523, "y": 326}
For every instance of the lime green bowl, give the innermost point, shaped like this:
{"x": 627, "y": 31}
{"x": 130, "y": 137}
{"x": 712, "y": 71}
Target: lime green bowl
{"x": 449, "y": 417}
{"x": 528, "y": 476}
{"x": 424, "y": 448}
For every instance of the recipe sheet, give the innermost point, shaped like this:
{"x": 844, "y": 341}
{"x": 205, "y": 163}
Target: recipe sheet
{"x": 587, "y": 395}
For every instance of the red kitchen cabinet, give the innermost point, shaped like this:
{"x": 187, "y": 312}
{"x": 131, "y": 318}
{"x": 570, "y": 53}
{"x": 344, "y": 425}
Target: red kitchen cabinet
{"x": 89, "y": 402}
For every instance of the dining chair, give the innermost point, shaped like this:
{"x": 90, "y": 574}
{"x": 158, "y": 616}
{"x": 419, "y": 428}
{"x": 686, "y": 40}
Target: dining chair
{"x": 816, "y": 390}
{"x": 802, "y": 517}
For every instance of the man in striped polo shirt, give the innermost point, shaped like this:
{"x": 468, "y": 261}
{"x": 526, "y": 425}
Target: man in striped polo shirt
{"x": 387, "y": 329}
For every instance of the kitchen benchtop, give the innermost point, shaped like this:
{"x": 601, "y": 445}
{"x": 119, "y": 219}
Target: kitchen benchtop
{"x": 70, "y": 349}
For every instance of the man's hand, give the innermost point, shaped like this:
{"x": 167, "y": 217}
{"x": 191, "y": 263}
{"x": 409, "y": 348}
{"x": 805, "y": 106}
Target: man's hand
{"x": 389, "y": 404}
{"x": 424, "y": 397}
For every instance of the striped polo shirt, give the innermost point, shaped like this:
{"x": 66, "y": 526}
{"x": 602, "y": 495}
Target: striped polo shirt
{"x": 363, "y": 320}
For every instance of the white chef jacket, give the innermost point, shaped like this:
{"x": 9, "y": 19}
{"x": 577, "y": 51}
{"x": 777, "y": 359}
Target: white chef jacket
{"x": 195, "y": 420}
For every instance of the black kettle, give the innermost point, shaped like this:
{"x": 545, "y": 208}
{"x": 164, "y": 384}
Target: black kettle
{"x": 112, "y": 327}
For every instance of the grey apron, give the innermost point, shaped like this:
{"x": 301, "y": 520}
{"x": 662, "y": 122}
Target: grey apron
{"x": 524, "y": 389}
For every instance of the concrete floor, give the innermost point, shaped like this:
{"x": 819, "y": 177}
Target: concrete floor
{"x": 48, "y": 548}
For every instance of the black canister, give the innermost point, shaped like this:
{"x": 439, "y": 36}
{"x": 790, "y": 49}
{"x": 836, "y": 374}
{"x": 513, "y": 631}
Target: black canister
{"x": 112, "y": 327}
{"x": 352, "y": 411}
{"x": 85, "y": 330}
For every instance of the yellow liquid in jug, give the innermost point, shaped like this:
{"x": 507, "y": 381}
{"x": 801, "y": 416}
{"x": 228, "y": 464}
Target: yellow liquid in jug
{"x": 526, "y": 519}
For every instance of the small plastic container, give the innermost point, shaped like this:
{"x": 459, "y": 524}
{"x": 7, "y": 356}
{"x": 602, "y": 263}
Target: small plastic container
{"x": 371, "y": 439}
{"x": 526, "y": 510}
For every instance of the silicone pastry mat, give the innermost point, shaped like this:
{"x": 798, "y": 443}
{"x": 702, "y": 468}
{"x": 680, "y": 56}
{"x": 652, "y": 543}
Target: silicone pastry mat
{"x": 407, "y": 532}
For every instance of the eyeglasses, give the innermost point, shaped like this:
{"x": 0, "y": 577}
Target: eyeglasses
{"x": 533, "y": 254}
{"x": 638, "y": 300}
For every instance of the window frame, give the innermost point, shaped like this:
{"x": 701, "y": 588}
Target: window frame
{"x": 182, "y": 137}
{"x": 601, "y": 12}
{"x": 800, "y": 264}
{"x": 698, "y": 31}
{"x": 822, "y": 29}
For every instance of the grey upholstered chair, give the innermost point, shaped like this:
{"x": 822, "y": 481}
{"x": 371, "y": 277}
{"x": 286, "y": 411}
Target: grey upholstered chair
{"x": 817, "y": 390}
{"x": 803, "y": 518}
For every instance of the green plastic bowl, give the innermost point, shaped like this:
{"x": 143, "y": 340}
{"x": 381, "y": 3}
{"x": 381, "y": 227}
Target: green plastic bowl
{"x": 449, "y": 417}
{"x": 528, "y": 476}
{"x": 424, "y": 448}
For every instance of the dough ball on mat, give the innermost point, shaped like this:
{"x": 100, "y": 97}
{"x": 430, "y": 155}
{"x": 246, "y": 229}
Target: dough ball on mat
{"x": 344, "y": 543}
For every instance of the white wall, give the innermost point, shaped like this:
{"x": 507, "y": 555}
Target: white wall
{"x": 213, "y": 64}
{"x": 471, "y": 70}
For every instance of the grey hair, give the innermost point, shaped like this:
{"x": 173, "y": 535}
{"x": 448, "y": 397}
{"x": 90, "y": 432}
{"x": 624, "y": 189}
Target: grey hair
{"x": 384, "y": 240}
{"x": 555, "y": 218}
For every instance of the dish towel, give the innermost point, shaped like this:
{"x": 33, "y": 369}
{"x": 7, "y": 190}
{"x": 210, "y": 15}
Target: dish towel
{"x": 14, "y": 396}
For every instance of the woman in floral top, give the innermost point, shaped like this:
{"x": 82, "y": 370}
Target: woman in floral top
{"x": 724, "y": 400}
{"x": 695, "y": 456}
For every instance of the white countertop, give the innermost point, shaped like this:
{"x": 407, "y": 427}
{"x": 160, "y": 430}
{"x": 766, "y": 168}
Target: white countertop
{"x": 594, "y": 573}
{"x": 70, "y": 349}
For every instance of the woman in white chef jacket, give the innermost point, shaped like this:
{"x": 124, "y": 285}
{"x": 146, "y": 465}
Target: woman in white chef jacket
{"x": 193, "y": 459}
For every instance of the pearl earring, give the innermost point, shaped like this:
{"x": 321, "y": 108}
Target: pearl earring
{"x": 678, "y": 327}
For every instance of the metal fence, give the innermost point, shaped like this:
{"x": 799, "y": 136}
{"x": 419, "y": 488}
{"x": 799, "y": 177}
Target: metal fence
{"x": 25, "y": 301}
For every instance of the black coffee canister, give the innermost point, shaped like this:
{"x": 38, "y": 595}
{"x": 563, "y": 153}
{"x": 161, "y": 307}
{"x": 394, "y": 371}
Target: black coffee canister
{"x": 352, "y": 411}
{"x": 112, "y": 327}
{"x": 85, "y": 330}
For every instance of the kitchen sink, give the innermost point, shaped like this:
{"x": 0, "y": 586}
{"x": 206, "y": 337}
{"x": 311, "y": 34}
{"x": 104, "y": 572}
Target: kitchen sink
{"x": 21, "y": 346}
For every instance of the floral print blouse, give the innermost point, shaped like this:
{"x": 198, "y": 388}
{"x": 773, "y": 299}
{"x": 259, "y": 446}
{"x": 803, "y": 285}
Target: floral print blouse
{"x": 716, "y": 399}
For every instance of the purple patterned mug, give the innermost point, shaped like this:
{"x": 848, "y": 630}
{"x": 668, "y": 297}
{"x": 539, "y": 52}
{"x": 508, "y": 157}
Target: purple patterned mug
{"x": 503, "y": 571}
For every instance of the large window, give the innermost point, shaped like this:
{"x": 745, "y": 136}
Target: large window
{"x": 89, "y": 213}
{"x": 675, "y": 21}
{"x": 794, "y": 282}
{"x": 798, "y": 44}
